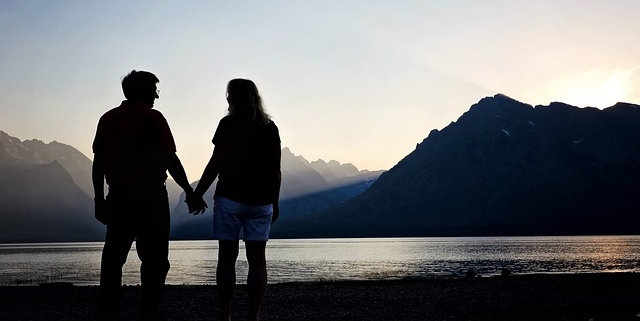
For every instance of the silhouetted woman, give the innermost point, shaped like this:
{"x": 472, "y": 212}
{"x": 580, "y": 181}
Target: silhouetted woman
{"x": 246, "y": 160}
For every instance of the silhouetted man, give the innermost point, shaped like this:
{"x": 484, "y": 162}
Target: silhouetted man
{"x": 133, "y": 149}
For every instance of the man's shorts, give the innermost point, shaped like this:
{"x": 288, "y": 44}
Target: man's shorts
{"x": 233, "y": 220}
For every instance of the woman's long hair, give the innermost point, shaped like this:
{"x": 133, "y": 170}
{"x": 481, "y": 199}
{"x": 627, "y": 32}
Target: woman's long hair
{"x": 244, "y": 101}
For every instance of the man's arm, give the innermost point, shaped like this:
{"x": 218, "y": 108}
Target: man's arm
{"x": 178, "y": 174}
{"x": 97, "y": 178}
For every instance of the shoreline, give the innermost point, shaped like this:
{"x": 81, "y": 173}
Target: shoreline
{"x": 586, "y": 296}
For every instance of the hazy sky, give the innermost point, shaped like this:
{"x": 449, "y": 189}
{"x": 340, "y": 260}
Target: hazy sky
{"x": 356, "y": 81}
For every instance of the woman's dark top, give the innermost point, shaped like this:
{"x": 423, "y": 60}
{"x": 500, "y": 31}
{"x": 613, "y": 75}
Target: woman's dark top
{"x": 250, "y": 167}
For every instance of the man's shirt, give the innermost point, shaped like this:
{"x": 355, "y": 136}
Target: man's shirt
{"x": 136, "y": 143}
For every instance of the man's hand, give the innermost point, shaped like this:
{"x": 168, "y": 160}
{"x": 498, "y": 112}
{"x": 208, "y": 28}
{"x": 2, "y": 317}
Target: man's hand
{"x": 276, "y": 213}
{"x": 195, "y": 203}
{"x": 102, "y": 211}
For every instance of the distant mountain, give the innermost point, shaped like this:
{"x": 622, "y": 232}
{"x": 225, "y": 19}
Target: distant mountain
{"x": 504, "y": 168}
{"x": 16, "y": 152}
{"x": 42, "y": 203}
{"x": 46, "y": 192}
{"x": 307, "y": 188}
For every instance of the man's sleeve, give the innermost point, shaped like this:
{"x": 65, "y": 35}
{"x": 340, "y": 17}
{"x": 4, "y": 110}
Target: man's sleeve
{"x": 99, "y": 141}
{"x": 166, "y": 138}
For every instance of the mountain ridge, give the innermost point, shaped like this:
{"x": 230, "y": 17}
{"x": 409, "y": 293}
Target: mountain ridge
{"x": 504, "y": 168}
{"x": 65, "y": 173}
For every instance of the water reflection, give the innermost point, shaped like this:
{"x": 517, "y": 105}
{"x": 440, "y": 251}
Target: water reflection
{"x": 193, "y": 262}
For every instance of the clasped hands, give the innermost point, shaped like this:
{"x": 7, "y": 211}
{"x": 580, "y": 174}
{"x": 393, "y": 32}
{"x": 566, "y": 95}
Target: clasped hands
{"x": 195, "y": 202}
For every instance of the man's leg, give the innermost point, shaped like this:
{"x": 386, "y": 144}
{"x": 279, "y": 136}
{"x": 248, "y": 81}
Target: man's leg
{"x": 226, "y": 276}
{"x": 257, "y": 278}
{"x": 114, "y": 255}
{"x": 152, "y": 245}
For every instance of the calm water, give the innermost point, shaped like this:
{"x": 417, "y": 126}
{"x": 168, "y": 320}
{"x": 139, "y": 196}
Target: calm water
{"x": 193, "y": 262}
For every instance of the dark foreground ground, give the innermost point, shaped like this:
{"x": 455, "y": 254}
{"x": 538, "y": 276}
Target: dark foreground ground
{"x": 596, "y": 297}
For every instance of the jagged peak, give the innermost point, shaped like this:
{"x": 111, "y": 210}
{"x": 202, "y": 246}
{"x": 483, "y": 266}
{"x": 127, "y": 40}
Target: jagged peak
{"x": 498, "y": 101}
{"x": 499, "y": 98}
{"x": 560, "y": 104}
{"x": 6, "y": 135}
{"x": 35, "y": 141}
{"x": 349, "y": 166}
{"x": 319, "y": 161}
{"x": 625, "y": 105}
{"x": 505, "y": 97}
{"x": 335, "y": 163}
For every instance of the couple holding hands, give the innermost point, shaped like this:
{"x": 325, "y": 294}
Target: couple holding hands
{"x": 133, "y": 151}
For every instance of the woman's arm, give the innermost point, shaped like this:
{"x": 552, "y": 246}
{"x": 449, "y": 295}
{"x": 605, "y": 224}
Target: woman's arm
{"x": 211, "y": 171}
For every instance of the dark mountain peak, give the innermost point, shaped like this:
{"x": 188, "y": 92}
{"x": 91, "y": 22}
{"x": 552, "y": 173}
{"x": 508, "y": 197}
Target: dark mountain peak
{"x": 564, "y": 106}
{"x": 623, "y": 109}
{"x": 498, "y": 102}
{"x": 559, "y": 104}
{"x": 507, "y": 168}
{"x": 625, "y": 105}
{"x": 491, "y": 111}
{"x": 35, "y": 142}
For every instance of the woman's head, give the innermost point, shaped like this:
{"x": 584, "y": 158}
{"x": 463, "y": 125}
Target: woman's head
{"x": 244, "y": 100}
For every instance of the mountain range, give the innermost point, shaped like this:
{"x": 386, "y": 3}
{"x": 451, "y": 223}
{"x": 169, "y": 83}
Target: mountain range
{"x": 46, "y": 193}
{"x": 504, "y": 168}
{"x": 307, "y": 188}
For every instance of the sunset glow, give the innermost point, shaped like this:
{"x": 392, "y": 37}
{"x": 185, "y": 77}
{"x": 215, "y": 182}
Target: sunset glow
{"x": 597, "y": 88}
{"x": 360, "y": 82}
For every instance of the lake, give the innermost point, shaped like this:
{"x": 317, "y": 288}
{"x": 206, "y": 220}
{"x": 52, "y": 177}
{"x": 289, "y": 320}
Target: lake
{"x": 193, "y": 262}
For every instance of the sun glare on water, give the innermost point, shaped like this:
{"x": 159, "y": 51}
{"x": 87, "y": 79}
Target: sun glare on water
{"x": 596, "y": 88}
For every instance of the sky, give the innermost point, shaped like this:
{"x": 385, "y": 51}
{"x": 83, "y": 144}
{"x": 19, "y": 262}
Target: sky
{"x": 358, "y": 82}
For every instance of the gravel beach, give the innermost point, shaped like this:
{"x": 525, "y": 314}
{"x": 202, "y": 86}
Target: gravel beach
{"x": 587, "y": 297}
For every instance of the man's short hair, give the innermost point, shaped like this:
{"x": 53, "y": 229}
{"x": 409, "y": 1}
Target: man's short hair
{"x": 137, "y": 83}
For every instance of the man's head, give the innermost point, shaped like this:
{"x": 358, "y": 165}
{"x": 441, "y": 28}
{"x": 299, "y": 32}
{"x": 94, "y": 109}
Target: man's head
{"x": 140, "y": 86}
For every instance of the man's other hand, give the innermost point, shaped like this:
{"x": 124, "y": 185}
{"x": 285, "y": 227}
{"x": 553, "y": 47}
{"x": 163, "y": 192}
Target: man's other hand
{"x": 102, "y": 211}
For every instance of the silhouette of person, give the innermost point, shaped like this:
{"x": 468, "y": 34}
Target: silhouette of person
{"x": 133, "y": 150}
{"x": 246, "y": 160}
